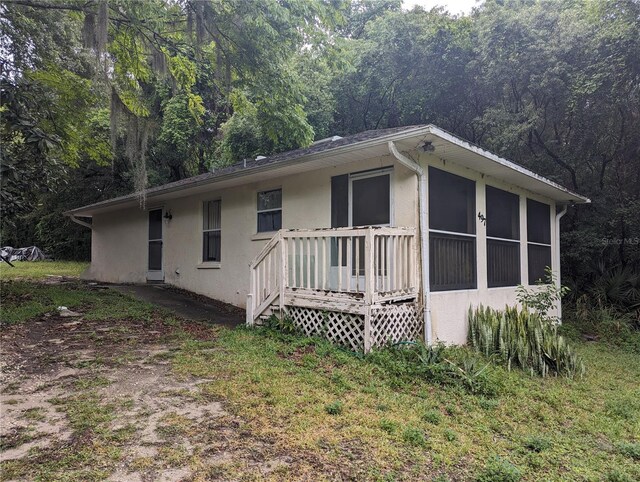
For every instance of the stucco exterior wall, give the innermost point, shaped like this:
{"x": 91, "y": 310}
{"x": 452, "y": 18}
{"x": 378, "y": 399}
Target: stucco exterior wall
{"x": 119, "y": 240}
{"x": 118, "y": 247}
{"x": 306, "y": 203}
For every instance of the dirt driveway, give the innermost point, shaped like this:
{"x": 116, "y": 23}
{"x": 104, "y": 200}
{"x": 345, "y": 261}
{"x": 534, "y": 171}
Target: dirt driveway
{"x": 88, "y": 400}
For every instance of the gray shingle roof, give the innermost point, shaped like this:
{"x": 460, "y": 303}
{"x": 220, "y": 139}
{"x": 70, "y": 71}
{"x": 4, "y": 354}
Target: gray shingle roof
{"x": 254, "y": 163}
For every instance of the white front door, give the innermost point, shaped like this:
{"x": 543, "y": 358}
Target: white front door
{"x": 154, "y": 268}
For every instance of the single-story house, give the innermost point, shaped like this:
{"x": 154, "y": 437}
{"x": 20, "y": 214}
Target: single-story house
{"x": 378, "y": 237}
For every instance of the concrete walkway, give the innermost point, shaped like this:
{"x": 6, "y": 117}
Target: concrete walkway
{"x": 185, "y": 304}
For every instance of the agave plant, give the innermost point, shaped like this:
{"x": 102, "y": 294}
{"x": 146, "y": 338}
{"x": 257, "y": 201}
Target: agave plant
{"x": 523, "y": 339}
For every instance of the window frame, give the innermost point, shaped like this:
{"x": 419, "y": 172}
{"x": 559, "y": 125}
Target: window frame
{"x": 516, "y": 241}
{"x": 204, "y": 231}
{"x": 261, "y": 211}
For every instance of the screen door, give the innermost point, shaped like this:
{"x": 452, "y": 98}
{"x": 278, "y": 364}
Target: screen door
{"x": 154, "y": 272}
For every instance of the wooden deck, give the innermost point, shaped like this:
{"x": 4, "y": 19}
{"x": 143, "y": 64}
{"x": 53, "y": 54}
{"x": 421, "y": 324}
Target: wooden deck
{"x": 351, "y": 271}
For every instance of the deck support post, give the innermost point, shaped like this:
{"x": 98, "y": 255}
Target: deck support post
{"x": 367, "y": 328}
{"x": 284, "y": 271}
{"x": 250, "y": 309}
{"x": 369, "y": 283}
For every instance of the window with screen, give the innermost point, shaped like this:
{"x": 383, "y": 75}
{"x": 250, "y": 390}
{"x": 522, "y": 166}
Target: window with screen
{"x": 370, "y": 197}
{"x": 538, "y": 239}
{"x": 269, "y": 210}
{"x": 503, "y": 238}
{"x": 452, "y": 231}
{"x": 211, "y": 229}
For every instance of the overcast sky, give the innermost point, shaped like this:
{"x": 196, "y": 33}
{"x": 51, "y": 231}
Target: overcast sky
{"x": 453, "y": 6}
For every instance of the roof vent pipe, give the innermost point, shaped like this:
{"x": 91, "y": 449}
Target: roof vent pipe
{"x": 424, "y": 237}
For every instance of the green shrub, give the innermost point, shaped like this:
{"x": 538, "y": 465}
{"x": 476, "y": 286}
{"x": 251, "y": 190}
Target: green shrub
{"x": 499, "y": 470}
{"x": 285, "y": 324}
{"x": 450, "y": 435}
{"x": 414, "y": 436}
{"x": 388, "y": 426}
{"x": 432, "y": 416}
{"x": 522, "y": 339}
{"x": 537, "y": 443}
{"x": 544, "y": 297}
{"x": 447, "y": 366}
{"x": 617, "y": 475}
{"x": 334, "y": 408}
{"x": 488, "y": 403}
{"x": 629, "y": 449}
{"x": 607, "y": 324}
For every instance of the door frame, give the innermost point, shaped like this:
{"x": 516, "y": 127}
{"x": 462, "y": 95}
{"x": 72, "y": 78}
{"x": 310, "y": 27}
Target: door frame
{"x": 356, "y": 278}
{"x": 156, "y": 275}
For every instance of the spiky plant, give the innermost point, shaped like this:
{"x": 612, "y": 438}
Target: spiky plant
{"x": 523, "y": 339}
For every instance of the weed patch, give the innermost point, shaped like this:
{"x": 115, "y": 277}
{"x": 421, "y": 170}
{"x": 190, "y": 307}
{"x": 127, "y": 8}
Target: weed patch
{"x": 499, "y": 469}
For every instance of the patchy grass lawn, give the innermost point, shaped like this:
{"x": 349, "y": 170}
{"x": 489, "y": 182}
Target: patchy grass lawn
{"x": 128, "y": 391}
{"x": 41, "y": 269}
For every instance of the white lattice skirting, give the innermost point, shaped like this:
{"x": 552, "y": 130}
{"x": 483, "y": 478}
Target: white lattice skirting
{"x": 389, "y": 324}
{"x": 346, "y": 329}
{"x": 394, "y": 323}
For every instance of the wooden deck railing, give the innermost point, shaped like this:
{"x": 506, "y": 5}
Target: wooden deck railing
{"x": 342, "y": 265}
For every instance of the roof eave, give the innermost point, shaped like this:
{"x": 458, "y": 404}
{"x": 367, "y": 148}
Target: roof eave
{"x": 87, "y": 211}
{"x": 251, "y": 170}
{"x": 574, "y": 197}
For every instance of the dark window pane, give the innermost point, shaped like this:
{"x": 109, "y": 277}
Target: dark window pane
{"x": 269, "y": 221}
{"x": 155, "y": 255}
{"x": 539, "y": 259}
{"x": 452, "y": 202}
{"x": 270, "y": 200}
{"x": 452, "y": 262}
{"x": 503, "y": 214}
{"x": 340, "y": 201}
{"x": 503, "y": 263}
{"x": 538, "y": 222}
{"x": 211, "y": 215}
{"x": 155, "y": 224}
{"x": 211, "y": 246}
{"x": 370, "y": 201}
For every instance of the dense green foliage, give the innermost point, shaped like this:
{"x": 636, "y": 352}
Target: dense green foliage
{"x": 522, "y": 339}
{"x": 105, "y": 97}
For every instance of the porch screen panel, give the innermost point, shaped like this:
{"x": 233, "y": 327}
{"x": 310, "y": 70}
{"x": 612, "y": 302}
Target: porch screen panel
{"x": 370, "y": 198}
{"x": 452, "y": 202}
{"x": 452, "y": 231}
{"x": 503, "y": 238}
{"x": 503, "y": 263}
{"x": 539, "y": 259}
{"x": 538, "y": 240}
{"x": 211, "y": 230}
{"x": 453, "y": 262}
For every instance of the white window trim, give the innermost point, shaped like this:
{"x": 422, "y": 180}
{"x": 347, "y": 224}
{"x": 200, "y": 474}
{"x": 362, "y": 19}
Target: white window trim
{"x": 368, "y": 174}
